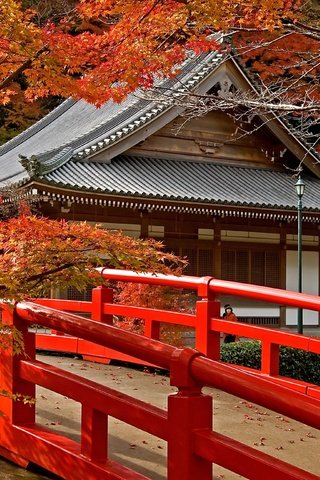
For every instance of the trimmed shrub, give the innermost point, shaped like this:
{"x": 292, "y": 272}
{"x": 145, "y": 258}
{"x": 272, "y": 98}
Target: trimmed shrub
{"x": 300, "y": 365}
{"x": 247, "y": 353}
{"x": 294, "y": 363}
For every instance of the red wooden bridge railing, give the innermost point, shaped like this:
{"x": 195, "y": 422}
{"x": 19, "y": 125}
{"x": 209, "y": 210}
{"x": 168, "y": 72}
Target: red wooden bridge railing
{"x": 206, "y": 320}
{"x": 186, "y": 425}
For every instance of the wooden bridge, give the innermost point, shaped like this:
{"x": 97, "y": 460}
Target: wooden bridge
{"x": 187, "y": 424}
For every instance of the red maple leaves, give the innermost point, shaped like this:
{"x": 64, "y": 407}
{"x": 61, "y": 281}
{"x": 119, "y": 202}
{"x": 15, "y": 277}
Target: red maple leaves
{"x": 106, "y": 49}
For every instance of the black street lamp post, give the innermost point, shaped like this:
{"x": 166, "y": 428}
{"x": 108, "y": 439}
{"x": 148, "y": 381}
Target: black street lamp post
{"x": 300, "y": 191}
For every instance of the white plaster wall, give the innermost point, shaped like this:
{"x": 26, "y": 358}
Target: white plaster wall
{"x": 244, "y": 307}
{"x": 310, "y": 283}
{"x": 263, "y": 311}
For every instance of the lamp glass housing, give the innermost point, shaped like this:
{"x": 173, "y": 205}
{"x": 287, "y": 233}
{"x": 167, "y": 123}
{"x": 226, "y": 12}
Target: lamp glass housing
{"x": 300, "y": 187}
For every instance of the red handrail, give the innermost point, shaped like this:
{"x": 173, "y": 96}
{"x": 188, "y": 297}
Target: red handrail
{"x": 106, "y": 335}
{"x": 216, "y": 286}
{"x": 205, "y": 321}
{"x": 208, "y": 372}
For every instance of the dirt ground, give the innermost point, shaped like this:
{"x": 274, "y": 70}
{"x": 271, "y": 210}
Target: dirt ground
{"x": 256, "y": 426}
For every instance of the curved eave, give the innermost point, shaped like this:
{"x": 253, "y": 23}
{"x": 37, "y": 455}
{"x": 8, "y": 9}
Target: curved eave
{"x": 68, "y": 193}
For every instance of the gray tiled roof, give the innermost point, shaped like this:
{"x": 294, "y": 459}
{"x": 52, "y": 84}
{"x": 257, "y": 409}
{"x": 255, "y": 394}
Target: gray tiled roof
{"x": 71, "y": 125}
{"x": 78, "y": 130}
{"x": 187, "y": 181}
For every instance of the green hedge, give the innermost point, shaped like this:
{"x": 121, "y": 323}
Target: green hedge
{"x": 294, "y": 363}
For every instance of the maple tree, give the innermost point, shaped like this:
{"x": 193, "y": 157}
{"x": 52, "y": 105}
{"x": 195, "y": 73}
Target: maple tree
{"x": 155, "y": 297}
{"x": 105, "y": 49}
{"x": 38, "y": 254}
{"x": 289, "y": 77}
{"x": 18, "y": 114}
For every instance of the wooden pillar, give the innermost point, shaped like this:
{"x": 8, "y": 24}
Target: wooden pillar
{"x": 217, "y": 267}
{"x": 144, "y": 222}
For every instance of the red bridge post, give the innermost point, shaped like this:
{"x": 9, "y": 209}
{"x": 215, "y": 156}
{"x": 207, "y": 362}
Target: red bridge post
{"x": 270, "y": 358}
{"x": 101, "y": 295}
{"x": 17, "y": 404}
{"x": 94, "y": 434}
{"x": 18, "y": 411}
{"x": 207, "y": 341}
{"x": 152, "y": 329}
{"x": 94, "y": 424}
{"x": 188, "y": 410}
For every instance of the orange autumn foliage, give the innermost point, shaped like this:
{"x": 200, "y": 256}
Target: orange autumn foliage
{"x": 38, "y": 254}
{"x": 159, "y": 298}
{"x": 281, "y": 60}
{"x": 106, "y": 49}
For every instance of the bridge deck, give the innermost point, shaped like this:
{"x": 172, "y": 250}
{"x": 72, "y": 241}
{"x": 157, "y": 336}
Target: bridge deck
{"x": 258, "y": 427}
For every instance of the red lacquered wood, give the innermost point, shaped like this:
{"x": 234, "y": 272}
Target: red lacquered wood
{"x": 105, "y": 335}
{"x": 245, "y": 460}
{"x": 187, "y": 426}
{"x": 257, "y": 389}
